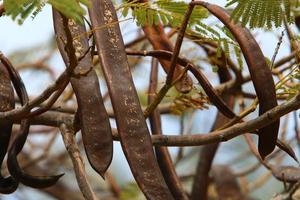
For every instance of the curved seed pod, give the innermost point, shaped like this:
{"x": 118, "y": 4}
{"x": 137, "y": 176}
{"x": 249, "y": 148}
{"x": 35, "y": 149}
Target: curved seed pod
{"x": 94, "y": 121}
{"x": 207, "y": 87}
{"x": 162, "y": 154}
{"x": 7, "y": 102}
{"x": 260, "y": 74}
{"x": 131, "y": 124}
{"x": 8, "y": 185}
{"x": 12, "y": 163}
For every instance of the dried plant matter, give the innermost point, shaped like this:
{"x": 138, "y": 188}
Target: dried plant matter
{"x": 7, "y": 102}
{"x": 94, "y": 123}
{"x": 260, "y": 73}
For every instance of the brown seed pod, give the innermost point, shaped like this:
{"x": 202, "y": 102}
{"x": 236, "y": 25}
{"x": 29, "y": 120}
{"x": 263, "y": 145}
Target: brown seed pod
{"x": 131, "y": 124}
{"x": 7, "y": 102}
{"x": 260, "y": 74}
{"x": 17, "y": 145}
{"x": 94, "y": 121}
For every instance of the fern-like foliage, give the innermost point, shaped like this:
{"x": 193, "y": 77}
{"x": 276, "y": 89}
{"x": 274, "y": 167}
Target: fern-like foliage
{"x": 290, "y": 90}
{"x": 168, "y": 12}
{"x": 171, "y": 13}
{"x": 262, "y": 13}
{"x": 21, "y": 9}
{"x": 221, "y": 36}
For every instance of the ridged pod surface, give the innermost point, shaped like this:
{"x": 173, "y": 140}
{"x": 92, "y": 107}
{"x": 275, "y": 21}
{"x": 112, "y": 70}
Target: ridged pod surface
{"x": 17, "y": 173}
{"x": 7, "y": 102}
{"x": 260, "y": 74}
{"x": 131, "y": 124}
{"x": 94, "y": 121}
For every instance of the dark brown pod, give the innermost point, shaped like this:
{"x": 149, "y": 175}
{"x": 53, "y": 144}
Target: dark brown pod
{"x": 17, "y": 145}
{"x": 131, "y": 124}
{"x": 260, "y": 74}
{"x": 94, "y": 121}
{"x": 7, "y": 102}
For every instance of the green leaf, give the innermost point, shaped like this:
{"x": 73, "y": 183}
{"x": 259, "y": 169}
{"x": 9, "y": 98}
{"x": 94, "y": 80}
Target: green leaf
{"x": 168, "y": 12}
{"x": 258, "y": 13}
{"x": 125, "y": 11}
{"x": 20, "y": 10}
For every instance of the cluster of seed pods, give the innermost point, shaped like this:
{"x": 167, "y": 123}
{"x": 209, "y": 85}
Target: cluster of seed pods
{"x": 260, "y": 72}
{"x": 73, "y": 44}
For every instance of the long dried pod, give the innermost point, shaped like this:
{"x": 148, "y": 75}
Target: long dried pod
{"x": 7, "y": 102}
{"x": 131, "y": 124}
{"x": 162, "y": 154}
{"x": 94, "y": 121}
{"x": 17, "y": 145}
{"x": 260, "y": 74}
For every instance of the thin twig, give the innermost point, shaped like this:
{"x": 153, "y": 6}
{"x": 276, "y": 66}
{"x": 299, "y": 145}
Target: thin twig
{"x": 74, "y": 153}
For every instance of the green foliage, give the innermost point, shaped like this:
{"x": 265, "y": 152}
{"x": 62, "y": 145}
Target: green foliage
{"x": 168, "y": 12}
{"x": 219, "y": 35}
{"x": 20, "y": 9}
{"x": 258, "y": 13}
{"x": 290, "y": 90}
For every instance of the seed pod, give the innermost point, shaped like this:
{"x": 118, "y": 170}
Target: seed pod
{"x": 260, "y": 74}
{"x": 17, "y": 145}
{"x": 7, "y": 102}
{"x": 94, "y": 121}
{"x": 131, "y": 124}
